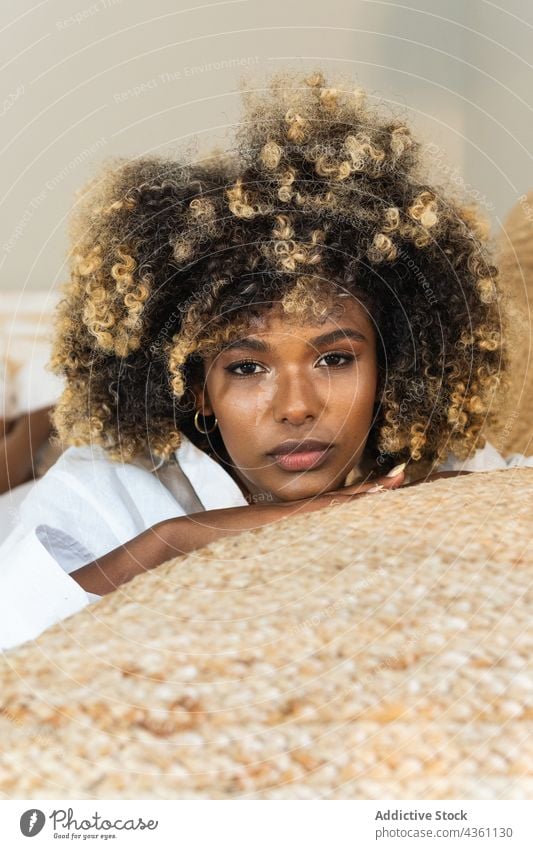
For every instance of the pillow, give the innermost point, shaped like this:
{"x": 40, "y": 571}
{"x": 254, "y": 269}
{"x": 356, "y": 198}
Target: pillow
{"x": 380, "y": 649}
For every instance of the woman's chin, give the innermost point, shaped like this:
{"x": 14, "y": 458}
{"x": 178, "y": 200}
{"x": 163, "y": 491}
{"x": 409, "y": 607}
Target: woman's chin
{"x": 303, "y": 487}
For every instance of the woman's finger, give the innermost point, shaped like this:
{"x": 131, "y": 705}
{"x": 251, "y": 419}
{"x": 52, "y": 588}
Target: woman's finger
{"x": 376, "y": 485}
{"x": 380, "y": 485}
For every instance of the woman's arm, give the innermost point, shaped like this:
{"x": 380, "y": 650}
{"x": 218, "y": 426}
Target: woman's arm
{"x": 168, "y": 539}
{"x": 184, "y": 534}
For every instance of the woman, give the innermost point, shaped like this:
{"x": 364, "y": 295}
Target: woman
{"x": 311, "y": 286}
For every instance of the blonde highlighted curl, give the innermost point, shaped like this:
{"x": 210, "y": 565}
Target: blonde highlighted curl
{"x": 323, "y": 197}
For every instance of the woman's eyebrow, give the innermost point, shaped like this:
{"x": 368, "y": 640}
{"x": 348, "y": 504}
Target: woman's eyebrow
{"x": 324, "y": 339}
{"x": 338, "y": 335}
{"x": 248, "y": 342}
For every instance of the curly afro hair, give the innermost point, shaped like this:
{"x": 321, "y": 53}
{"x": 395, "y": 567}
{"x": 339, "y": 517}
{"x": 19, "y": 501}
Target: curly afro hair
{"x": 322, "y": 196}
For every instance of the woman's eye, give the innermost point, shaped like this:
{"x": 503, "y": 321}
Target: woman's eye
{"x": 244, "y": 364}
{"x": 247, "y": 367}
{"x": 336, "y": 356}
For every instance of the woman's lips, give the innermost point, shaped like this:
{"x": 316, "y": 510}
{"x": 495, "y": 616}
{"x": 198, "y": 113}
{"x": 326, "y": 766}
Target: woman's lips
{"x": 298, "y": 461}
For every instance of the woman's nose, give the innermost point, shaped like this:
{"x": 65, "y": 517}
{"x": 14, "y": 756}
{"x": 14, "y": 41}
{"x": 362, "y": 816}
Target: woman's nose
{"x": 295, "y": 399}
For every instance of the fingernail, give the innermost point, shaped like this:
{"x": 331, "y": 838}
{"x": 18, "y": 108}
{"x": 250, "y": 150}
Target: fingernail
{"x": 377, "y": 488}
{"x": 396, "y": 470}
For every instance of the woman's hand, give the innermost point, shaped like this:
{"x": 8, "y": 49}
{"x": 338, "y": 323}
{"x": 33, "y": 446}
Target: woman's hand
{"x": 340, "y": 496}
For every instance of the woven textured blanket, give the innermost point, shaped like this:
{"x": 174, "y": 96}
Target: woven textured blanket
{"x": 377, "y": 649}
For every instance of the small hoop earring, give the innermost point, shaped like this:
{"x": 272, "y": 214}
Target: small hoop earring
{"x": 197, "y": 413}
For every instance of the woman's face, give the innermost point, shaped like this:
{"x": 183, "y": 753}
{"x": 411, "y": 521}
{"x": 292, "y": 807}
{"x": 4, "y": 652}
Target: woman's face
{"x": 284, "y": 382}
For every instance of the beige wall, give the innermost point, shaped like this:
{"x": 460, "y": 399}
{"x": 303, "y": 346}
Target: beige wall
{"x": 87, "y": 80}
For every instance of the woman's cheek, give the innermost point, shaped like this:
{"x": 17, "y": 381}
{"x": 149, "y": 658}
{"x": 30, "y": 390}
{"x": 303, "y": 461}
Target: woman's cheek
{"x": 354, "y": 402}
{"x": 252, "y": 399}
{"x": 363, "y": 386}
{"x": 263, "y": 398}
{"x": 246, "y": 403}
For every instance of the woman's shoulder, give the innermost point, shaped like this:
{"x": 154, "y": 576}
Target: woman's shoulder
{"x": 89, "y": 473}
{"x": 86, "y": 488}
{"x": 88, "y": 464}
{"x": 87, "y": 461}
